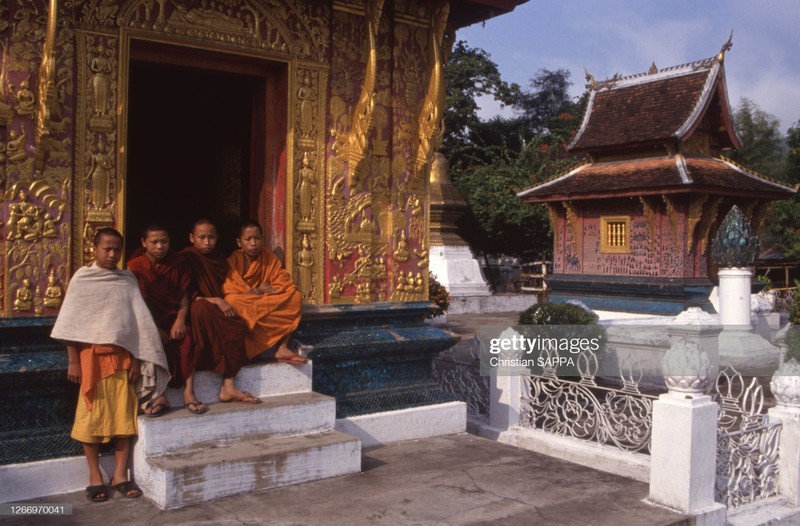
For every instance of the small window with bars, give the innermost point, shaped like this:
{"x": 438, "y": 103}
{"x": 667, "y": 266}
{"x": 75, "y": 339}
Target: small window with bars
{"x": 615, "y": 234}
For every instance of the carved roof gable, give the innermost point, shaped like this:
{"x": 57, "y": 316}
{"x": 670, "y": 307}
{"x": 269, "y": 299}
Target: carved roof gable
{"x": 656, "y": 107}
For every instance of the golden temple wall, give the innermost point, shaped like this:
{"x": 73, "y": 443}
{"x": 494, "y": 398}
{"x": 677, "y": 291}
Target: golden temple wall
{"x": 365, "y": 99}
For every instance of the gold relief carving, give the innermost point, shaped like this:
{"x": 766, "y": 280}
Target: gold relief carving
{"x": 573, "y": 218}
{"x": 47, "y": 88}
{"x": 4, "y": 23}
{"x": 422, "y": 253}
{"x": 409, "y": 287}
{"x": 306, "y": 115}
{"x": 650, "y": 210}
{"x": 101, "y": 172}
{"x": 53, "y": 294}
{"x": 695, "y": 215}
{"x": 25, "y": 99}
{"x": 305, "y": 261}
{"x": 96, "y": 183}
{"x": 335, "y": 288}
{"x": 28, "y": 30}
{"x": 15, "y": 147}
{"x": 674, "y": 218}
{"x": 430, "y": 128}
{"x": 401, "y": 251}
{"x": 101, "y": 83}
{"x": 29, "y": 222}
{"x": 103, "y": 12}
{"x": 6, "y": 113}
{"x": 361, "y": 121}
{"x": 23, "y": 297}
{"x": 306, "y": 190}
{"x": 296, "y": 28}
{"x": 555, "y": 222}
{"x": 707, "y": 220}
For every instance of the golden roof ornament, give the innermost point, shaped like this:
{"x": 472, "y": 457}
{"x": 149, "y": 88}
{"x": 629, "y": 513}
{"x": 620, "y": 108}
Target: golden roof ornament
{"x": 725, "y": 47}
{"x": 590, "y": 79}
{"x": 653, "y": 69}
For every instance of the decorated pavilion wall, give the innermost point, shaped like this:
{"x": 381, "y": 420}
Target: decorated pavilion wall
{"x": 365, "y": 98}
{"x": 668, "y": 237}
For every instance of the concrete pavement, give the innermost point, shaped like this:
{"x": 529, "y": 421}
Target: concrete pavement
{"x": 452, "y": 480}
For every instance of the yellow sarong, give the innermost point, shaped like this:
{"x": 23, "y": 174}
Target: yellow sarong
{"x": 113, "y": 413}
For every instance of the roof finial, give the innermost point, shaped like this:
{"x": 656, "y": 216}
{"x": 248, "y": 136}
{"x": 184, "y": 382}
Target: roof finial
{"x": 590, "y": 79}
{"x": 653, "y": 69}
{"x": 725, "y": 47}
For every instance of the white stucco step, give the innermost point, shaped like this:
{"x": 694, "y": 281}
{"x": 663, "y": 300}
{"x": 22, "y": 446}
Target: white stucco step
{"x": 281, "y": 415}
{"x": 256, "y": 464}
{"x": 261, "y": 379}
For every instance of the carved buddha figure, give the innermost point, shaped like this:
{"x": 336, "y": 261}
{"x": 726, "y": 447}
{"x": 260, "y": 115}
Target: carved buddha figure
{"x": 23, "y": 297}
{"x": 53, "y": 293}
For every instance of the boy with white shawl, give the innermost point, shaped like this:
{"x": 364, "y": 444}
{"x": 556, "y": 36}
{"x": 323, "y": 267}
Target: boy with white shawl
{"x": 113, "y": 344}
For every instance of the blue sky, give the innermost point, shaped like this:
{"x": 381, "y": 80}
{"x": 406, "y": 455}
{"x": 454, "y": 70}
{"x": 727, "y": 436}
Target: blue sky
{"x": 626, "y": 36}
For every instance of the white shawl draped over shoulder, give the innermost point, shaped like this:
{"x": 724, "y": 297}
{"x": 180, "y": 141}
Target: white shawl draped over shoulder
{"x": 104, "y": 306}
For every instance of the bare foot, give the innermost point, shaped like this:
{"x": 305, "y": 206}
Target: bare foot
{"x": 232, "y": 394}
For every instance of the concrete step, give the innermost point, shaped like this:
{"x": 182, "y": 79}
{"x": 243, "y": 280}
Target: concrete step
{"x": 277, "y": 416}
{"x": 261, "y": 379}
{"x": 257, "y": 463}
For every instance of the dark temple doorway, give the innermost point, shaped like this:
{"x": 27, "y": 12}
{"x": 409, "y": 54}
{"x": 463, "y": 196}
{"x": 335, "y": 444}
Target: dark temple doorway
{"x": 199, "y": 141}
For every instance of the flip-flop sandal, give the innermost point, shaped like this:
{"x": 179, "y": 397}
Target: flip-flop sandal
{"x": 99, "y": 493}
{"x": 124, "y": 488}
{"x": 156, "y": 410}
{"x": 295, "y": 360}
{"x": 199, "y": 407}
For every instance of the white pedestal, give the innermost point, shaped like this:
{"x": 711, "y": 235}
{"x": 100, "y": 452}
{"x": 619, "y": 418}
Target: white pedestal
{"x": 457, "y": 269}
{"x": 734, "y": 296}
{"x": 683, "y": 455}
{"x": 789, "y": 452}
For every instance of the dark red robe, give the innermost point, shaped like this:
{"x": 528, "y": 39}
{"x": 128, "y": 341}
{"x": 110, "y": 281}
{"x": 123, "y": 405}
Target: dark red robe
{"x": 163, "y": 285}
{"x": 219, "y": 340}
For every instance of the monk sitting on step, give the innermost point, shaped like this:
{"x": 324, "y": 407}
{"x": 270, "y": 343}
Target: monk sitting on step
{"x": 262, "y": 292}
{"x": 219, "y": 334}
{"x": 164, "y": 281}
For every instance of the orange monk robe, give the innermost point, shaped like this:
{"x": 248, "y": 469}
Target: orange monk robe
{"x": 270, "y": 316}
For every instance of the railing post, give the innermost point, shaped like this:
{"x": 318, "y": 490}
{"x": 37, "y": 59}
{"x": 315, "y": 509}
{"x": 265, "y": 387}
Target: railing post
{"x": 684, "y": 443}
{"x": 786, "y": 389}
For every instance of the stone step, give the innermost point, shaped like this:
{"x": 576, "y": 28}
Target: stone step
{"x": 255, "y": 464}
{"x": 261, "y": 379}
{"x": 277, "y": 416}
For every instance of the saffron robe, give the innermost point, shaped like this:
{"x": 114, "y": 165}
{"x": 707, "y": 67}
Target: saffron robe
{"x": 163, "y": 285}
{"x": 105, "y": 307}
{"x": 272, "y": 316}
{"x": 219, "y": 340}
{"x": 107, "y": 403}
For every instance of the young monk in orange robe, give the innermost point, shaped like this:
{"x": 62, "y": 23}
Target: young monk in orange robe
{"x": 262, "y": 292}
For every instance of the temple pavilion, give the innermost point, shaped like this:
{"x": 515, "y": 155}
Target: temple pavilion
{"x": 631, "y": 225}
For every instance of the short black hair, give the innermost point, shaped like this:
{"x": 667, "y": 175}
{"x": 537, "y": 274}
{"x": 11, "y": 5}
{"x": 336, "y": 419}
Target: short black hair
{"x": 249, "y": 223}
{"x": 202, "y": 221}
{"x": 153, "y": 227}
{"x": 105, "y": 231}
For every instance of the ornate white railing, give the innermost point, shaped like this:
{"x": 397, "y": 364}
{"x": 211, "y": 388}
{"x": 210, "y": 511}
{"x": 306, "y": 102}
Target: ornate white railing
{"x": 747, "y": 443}
{"x": 581, "y": 408}
{"x": 458, "y": 372}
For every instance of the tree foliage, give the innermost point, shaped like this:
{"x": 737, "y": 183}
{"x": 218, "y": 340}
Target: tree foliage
{"x": 762, "y": 143}
{"x": 490, "y": 161}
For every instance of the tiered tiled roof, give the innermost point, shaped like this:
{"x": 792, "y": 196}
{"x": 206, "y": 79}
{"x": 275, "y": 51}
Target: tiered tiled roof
{"x": 656, "y": 175}
{"x": 651, "y": 108}
{"x": 657, "y": 111}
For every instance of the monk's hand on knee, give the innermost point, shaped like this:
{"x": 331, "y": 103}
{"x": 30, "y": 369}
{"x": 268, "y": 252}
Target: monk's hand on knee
{"x": 226, "y": 308}
{"x": 178, "y": 330}
{"x": 74, "y": 372}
